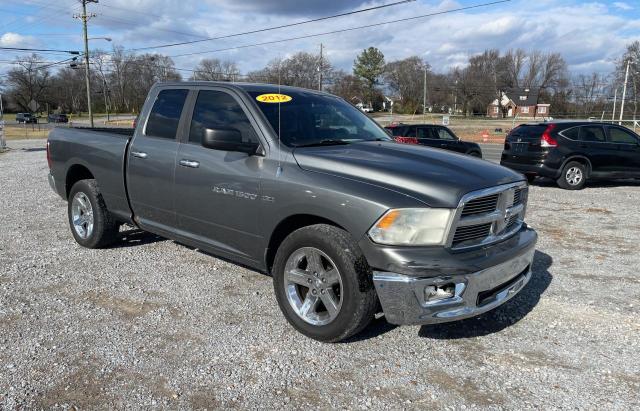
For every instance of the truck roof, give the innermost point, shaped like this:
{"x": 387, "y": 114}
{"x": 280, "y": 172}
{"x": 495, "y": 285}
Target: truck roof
{"x": 247, "y": 87}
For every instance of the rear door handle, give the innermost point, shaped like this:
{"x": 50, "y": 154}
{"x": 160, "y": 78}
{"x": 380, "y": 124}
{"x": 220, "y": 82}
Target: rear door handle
{"x": 189, "y": 163}
{"x": 139, "y": 154}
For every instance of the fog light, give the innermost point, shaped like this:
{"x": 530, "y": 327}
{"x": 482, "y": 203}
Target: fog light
{"x": 439, "y": 292}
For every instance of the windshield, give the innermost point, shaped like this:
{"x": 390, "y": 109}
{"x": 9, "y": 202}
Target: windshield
{"x": 308, "y": 119}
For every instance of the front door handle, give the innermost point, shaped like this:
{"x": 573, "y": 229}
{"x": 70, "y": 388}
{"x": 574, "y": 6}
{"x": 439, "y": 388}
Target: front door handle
{"x": 189, "y": 163}
{"x": 139, "y": 154}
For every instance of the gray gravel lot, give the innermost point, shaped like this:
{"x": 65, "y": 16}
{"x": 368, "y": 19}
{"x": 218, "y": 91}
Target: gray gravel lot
{"x": 153, "y": 324}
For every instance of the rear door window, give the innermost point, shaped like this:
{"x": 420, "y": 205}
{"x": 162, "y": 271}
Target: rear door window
{"x": 444, "y": 134}
{"x": 219, "y": 110}
{"x": 165, "y": 114}
{"x": 426, "y": 132}
{"x": 621, "y": 136}
{"x": 411, "y": 131}
{"x": 592, "y": 134}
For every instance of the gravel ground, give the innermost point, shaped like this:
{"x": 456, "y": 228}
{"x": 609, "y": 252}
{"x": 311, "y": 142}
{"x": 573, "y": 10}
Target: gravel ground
{"x": 153, "y": 324}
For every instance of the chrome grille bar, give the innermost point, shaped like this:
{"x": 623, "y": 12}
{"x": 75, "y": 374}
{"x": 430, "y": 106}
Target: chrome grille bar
{"x": 487, "y": 216}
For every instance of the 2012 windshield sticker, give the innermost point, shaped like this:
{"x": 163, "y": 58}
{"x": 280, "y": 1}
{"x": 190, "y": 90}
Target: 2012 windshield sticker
{"x": 274, "y": 98}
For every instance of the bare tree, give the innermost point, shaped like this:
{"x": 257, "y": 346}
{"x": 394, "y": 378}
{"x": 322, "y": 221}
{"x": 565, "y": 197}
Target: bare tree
{"x": 27, "y": 82}
{"x": 299, "y": 70}
{"x": 631, "y": 56}
{"x": 349, "y": 87}
{"x": 406, "y": 78}
{"x": 216, "y": 70}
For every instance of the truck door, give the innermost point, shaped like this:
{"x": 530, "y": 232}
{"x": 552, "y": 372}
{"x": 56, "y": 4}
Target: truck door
{"x": 151, "y": 163}
{"x": 218, "y": 199}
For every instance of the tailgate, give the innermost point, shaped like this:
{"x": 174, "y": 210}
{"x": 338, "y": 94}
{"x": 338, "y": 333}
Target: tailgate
{"x": 524, "y": 143}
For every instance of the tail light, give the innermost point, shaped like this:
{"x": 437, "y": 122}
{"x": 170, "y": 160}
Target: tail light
{"x": 546, "y": 140}
{"x": 406, "y": 140}
{"x": 49, "y": 154}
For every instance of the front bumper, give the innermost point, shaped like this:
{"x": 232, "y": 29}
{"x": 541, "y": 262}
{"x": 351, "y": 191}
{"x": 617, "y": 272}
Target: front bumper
{"x": 403, "y": 299}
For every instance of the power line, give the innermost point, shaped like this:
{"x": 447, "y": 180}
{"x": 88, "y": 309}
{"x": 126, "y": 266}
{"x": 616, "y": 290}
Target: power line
{"x": 438, "y": 13}
{"x": 39, "y": 50}
{"x": 276, "y": 27}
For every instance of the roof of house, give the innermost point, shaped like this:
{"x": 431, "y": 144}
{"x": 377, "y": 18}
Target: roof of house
{"x": 514, "y": 94}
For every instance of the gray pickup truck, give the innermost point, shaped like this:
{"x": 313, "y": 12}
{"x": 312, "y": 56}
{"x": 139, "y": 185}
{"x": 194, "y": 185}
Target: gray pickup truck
{"x": 304, "y": 186}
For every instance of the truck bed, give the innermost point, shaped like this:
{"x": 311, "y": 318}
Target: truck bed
{"x": 101, "y": 150}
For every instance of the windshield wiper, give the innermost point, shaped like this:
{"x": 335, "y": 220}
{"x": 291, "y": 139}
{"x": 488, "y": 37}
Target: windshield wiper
{"x": 327, "y": 142}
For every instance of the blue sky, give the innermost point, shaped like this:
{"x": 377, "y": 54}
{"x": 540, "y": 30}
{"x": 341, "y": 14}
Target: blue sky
{"x": 590, "y": 34}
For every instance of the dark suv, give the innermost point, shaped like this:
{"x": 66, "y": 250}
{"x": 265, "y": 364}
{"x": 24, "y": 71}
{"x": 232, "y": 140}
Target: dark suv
{"x": 573, "y": 151}
{"x": 433, "y": 136}
{"x": 57, "y": 118}
{"x": 26, "y": 118}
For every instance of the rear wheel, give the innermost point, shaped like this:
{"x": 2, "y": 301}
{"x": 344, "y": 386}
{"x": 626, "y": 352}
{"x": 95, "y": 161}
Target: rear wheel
{"x": 573, "y": 176}
{"x": 323, "y": 283}
{"x": 91, "y": 223}
{"x": 475, "y": 154}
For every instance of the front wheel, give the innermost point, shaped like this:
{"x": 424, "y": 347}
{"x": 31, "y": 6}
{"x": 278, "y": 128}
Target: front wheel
{"x": 573, "y": 176}
{"x": 323, "y": 283}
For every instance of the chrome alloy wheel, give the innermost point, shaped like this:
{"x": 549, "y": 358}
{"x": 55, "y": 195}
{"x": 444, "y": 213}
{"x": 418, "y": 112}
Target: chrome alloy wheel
{"x": 82, "y": 215}
{"x": 573, "y": 176}
{"x": 313, "y": 286}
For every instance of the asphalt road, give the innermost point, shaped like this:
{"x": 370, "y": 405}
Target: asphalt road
{"x": 491, "y": 152}
{"x": 152, "y": 324}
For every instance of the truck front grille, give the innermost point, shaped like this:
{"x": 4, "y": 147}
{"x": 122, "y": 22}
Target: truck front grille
{"x": 481, "y": 205}
{"x": 488, "y": 216}
{"x": 471, "y": 232}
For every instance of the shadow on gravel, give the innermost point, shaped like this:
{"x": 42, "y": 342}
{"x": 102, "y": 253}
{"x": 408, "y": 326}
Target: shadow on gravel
{"x": 136, "y": 237}
{"x": 502, "y": 317}
{"x": 375, "y": 329}
{"x": 30, "y": 150}
{"x": 547, "y": 182}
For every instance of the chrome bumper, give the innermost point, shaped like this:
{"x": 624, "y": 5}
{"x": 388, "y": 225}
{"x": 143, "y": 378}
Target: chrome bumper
{"x": 403, "y": 297}
{"x": 52, "y": 183}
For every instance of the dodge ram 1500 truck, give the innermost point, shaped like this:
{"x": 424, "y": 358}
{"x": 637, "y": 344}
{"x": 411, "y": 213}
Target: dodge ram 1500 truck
{"x": 305, "y": 187}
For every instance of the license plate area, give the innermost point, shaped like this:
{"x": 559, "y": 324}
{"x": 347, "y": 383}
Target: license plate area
{"x": 519, "y": 147}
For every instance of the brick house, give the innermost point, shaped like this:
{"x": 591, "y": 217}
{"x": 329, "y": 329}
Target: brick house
{"x": 518, "y": 101}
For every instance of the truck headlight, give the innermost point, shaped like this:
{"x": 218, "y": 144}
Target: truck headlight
{"x": 412, "y": 226}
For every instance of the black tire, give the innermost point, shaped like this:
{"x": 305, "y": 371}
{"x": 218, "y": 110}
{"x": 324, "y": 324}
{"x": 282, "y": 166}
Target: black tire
{"x": 359, "y": 298}
{"x": 568, "y": 179}
{"x": 105, "y": 228}
{"x": 475, "y": 154}
{"x": 530, "y": 178}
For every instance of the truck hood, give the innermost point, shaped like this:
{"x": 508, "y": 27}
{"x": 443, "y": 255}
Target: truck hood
{"x": 436, "y": 177}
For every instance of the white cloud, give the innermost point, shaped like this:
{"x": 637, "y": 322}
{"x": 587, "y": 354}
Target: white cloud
{"x": 16, "y": 40}
{"x": 622, "y": 5}
{"x": 590, "y": 34}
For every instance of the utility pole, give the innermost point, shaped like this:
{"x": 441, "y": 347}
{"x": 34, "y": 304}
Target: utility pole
{"x": 85, "y": 17}
{"x": 424, "y": 93}
{"x": 615, "y": 97}
{"x": 3, "y": 141}
{"x": 455, "y": 99}
{"x": 624, "y": 92}
{"x": 320, "y": 69}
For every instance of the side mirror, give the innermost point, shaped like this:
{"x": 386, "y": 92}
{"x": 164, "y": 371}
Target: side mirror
{"x": 227, "y": 139}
